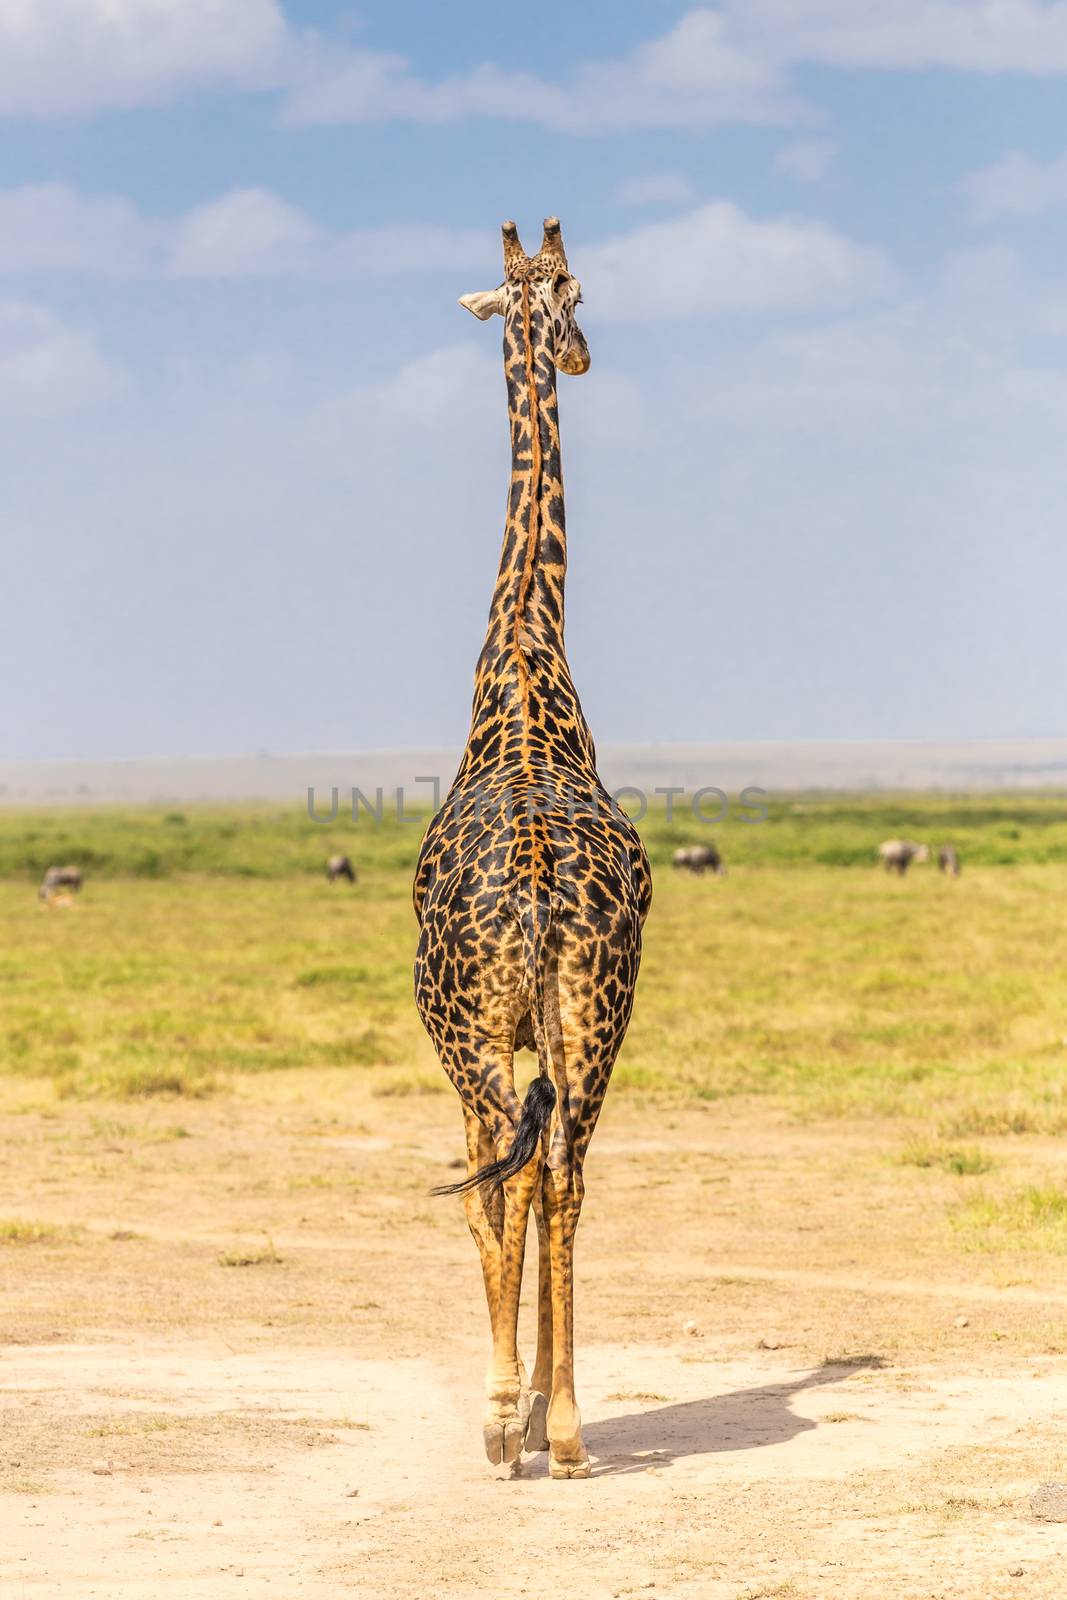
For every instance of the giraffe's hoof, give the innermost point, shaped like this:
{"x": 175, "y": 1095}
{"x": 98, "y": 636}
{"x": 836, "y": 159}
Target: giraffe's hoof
{"x": 537, "y": 1427}
{"x": 580, "y": 1468}
{"x": 503, "y": 1441}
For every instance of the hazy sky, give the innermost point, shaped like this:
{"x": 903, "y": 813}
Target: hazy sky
{"x": 254, "y": 456}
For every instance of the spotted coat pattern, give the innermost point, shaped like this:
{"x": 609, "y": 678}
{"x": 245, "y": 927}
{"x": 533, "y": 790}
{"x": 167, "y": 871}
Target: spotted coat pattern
{"x": 531, "y": 887}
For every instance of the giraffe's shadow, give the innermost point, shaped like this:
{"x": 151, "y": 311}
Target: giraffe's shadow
{"x": 742, "y": 1419}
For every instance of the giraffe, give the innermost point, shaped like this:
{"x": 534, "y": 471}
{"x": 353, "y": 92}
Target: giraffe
{"x": 531, "y": 892}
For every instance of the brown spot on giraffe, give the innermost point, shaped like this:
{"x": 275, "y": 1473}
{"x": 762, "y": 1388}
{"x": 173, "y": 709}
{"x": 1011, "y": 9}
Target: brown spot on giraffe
{"x": 531, "y": 892}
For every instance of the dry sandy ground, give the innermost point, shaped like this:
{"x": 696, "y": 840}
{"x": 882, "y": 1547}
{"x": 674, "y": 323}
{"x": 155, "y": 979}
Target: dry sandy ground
{"x": 309, "y": 1425}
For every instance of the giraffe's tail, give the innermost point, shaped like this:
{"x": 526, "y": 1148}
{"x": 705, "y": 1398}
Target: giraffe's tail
{"x": 537, "y": 1108}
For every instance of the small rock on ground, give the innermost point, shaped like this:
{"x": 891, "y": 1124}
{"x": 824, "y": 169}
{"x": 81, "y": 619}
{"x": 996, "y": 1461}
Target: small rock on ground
{"x": 1049, "y": 1502}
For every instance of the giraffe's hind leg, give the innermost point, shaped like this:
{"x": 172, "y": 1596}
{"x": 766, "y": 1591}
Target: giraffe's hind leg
{"x": 486, "y": 1212}
{"x": 509, "y": 1396}
{"x": 541, "y": 1382}
{"x": 563, "y": 1191}
{"x": 498, "y": 1221}
{"x": 584, "y": 1047}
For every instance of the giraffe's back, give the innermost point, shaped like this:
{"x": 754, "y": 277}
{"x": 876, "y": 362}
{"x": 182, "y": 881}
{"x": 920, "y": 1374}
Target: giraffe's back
{"x": 512, "y": 843}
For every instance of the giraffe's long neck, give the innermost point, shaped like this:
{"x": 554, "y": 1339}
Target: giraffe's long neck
{"x": 525, "y": 704}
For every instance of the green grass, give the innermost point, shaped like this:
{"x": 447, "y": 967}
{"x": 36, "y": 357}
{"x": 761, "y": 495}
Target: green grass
{"x": 19, "y": 1231}
{"x": 260, "y": 841}
{"x": 1029, "y": 1218}
{"x": 963, "y": 1160}
{"x": 839, "y": 992}
{"x": 1010, "y": 1117}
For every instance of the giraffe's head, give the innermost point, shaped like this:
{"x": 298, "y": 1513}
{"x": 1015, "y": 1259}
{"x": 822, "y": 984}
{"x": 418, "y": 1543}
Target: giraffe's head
{"x": 548, "y": 281}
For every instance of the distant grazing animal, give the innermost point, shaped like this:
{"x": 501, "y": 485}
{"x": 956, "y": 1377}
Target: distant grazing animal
{"x": 340, "y": 867}
{"x": 58, "y": 884}
{"x": 898, "y": 854}
{"x": 948, "y": 860}
{"x": 699, "y": 858}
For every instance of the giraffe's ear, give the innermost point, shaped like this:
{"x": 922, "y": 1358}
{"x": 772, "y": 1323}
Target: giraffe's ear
{"x": 489, "y": 303}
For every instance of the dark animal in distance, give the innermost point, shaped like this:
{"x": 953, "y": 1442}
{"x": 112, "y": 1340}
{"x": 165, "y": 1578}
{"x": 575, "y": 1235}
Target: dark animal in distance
{"x": 58, "y": 884}
{"x": 898, "y": 854}
{"x": 948, "y": 860}
{"x": 340, "y": 867}
{"x": 699, "y": 858}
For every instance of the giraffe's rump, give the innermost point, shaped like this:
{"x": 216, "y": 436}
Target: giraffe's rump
{"x": 531, "y": 915}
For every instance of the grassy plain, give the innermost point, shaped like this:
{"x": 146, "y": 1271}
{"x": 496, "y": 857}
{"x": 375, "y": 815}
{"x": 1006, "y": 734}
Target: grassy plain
{"x": 822, "y": 1320}
{"x": 207, "y": 944}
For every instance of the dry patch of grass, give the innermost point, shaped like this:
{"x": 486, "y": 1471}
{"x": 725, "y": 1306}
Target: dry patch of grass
{"x": 954, "y": 1507}
{"x": 152, "y": 1441}
{"x": 147, "y": 1132}
{"x": 265, "y": 1256}
{"x": 333, "y": 1422}
{"x": 123, "y": 1427}
{"x": 17, "y": 1230}
{"x": 400, "y": 1085}
{"x": 636, "y": 1394}
{"x": 328, "y": 1181}
{"x": 1001, "y": 1121}
{"x": 963, "y": 1160}
{"x": 137, "y": 1081}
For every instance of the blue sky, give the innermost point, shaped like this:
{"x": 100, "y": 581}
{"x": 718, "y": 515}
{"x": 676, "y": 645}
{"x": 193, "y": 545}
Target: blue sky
{"x": 255, "y": 455}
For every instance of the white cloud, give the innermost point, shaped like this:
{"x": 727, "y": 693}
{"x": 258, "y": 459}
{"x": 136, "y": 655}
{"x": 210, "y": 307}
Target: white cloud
{"x": 72, "y": 57}
{"x": 253, "y": 232}
{"x": 709, "y": 261}
{"x": 864, "y": 502}
{"x": 712, "y": 67}
{"x": 692, "y": 76}
{"x": 731, "y": 64}
{"x": 1017, "y": 186}
{"x": 655, "y": 188}
{"x": 245, "y": 233}
{"x": 807, "y": 160}
{"x": 961, "y": 35}
{"x": 47, "y": 367}
{"x": 49, "y": 227}
{"x": 332, "y": 84}
{"x": 947, "y": 365}
{"x": 695, "y": 75}
{"x": 716, "y": 260}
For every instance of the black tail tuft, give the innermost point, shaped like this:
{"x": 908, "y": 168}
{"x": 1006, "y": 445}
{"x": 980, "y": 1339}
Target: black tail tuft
{"x": 536, "y": 1110}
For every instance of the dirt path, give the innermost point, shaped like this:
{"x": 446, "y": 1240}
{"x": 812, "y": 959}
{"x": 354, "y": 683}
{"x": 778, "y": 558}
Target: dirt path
{"x": 309, "y": 1425}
